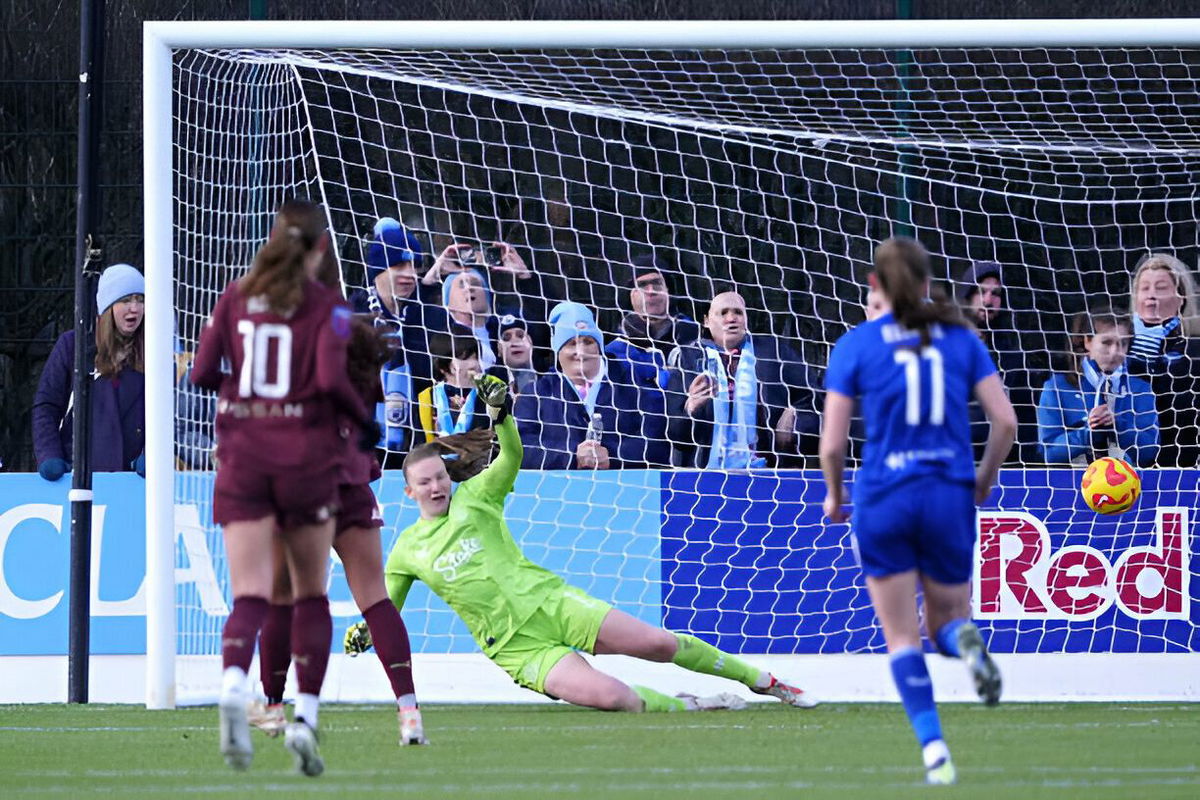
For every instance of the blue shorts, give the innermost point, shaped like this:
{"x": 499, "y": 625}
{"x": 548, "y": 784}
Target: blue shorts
{"x": 927, "y": 525}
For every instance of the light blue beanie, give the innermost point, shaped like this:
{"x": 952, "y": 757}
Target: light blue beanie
{"x": 452, "y": 278}
{"x": 119, "y": 280}
{"x": 569, "y": 320}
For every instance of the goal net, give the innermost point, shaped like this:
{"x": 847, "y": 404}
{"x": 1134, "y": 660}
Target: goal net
{"x": 772, "y": 172}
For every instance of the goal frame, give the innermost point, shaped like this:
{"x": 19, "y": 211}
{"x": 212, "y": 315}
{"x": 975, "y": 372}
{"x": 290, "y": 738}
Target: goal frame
{"x": 161, "y": 39}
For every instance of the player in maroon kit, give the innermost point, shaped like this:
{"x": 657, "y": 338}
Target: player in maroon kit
{"x": 358, "y": 546}
{"x": 279, "y": 418}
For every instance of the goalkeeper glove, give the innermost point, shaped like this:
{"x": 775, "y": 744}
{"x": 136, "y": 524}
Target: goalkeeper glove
{"x": 494, "y": 393}
{"x": 358, "y": 639}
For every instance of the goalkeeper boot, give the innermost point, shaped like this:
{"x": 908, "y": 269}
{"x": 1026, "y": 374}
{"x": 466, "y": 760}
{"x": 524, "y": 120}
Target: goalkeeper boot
{"x": 412, "y": 731}
{"x": 717, "y": 702}
{"x": 939, "y": 769}
{"x": 792, "y": 695}
{"x": 301, "y": 740}
{"x": 267, "y": 717}
{"x": 983, "y": 669}
{"x": 235, "y": 731}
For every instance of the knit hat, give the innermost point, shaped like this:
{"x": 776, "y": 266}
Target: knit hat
{"x": 452, "y": 278}
{"x": 119, "y": 280}
{"x": 968, "y": 282}
{"x": 392, "y": 244}
{"x": 510, "y": 321}
{"x": 569, "y": 320}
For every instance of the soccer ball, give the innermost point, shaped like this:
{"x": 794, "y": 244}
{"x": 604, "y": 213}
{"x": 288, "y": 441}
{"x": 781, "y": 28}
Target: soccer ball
{"x": 1110, "y": 486}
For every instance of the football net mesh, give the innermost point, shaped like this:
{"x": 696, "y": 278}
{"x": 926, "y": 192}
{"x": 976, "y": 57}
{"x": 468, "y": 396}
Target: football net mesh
{"x": 772, "y": 172}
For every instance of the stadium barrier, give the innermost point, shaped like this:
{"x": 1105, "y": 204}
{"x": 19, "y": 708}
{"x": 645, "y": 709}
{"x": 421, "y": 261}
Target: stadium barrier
{"x": 1076, "y": 606}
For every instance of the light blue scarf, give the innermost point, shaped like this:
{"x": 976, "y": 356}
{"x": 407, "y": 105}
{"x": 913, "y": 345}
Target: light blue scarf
{"x": 1108, "y": 385}
{"x": 445, "y": 420}
{"x": 593, "y": 391}
{"x": 734, "y": 433}
{"x": 1150, "y": 341}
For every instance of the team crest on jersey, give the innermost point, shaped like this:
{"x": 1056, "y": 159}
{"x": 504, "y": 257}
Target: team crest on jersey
{"x": 395, "y": 406}
{"x": 340, "y": 321}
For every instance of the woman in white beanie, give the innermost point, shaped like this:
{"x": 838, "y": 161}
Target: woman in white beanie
{"x": 118, "y": 387}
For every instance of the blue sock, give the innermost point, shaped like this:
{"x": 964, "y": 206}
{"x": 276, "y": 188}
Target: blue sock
{"x": 947, "y": 638}
{"x": 916, "y": 692}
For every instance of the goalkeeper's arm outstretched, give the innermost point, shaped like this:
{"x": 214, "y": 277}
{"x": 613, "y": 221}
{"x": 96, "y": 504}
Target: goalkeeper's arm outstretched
{"x": 526, "y": 619}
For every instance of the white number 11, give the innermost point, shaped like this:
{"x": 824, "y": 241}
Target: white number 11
{"x": 912, "y": 379}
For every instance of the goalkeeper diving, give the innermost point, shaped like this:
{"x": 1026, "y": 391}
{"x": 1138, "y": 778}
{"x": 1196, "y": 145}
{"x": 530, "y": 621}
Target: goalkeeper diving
{"x": 526, "y": 619}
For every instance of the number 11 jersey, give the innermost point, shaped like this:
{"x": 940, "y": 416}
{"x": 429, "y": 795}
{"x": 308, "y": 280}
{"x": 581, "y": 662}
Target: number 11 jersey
{"x": 914, "y": 399}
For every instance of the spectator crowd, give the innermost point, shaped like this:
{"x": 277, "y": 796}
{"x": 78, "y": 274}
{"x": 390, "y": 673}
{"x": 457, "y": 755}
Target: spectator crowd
{"x": 661, "y": 389}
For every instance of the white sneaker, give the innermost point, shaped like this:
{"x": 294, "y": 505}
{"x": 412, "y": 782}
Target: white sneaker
{"x": 235, "y": 731}
{"x": 267, "y": 717}
{"x": 941, "y": 773}
{"x": 301, "y": 740}
{"x": 983, "y": 669}
{"x": 412, "y": 731}
{"x": 792, "y": 695}
{"x": 717, "y": 702}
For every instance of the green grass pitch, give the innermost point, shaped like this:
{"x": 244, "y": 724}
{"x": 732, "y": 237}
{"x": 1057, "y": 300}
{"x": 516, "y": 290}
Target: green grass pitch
{"x": 1025, "y": 751}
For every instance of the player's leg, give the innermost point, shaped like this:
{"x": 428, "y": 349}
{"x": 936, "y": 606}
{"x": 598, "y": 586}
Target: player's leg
{"x": 361, "y": 555}
{"x": 623, "y": 634}
{"x": 894, "y": 600}
{"x": 948, "y": 617}
{"x": 945, "y": 563}
{"x": 312, "y": 627}
{"x": 274, "y": 649}
{"x": 248, "y": 548}
{"x": 574, "y": 680}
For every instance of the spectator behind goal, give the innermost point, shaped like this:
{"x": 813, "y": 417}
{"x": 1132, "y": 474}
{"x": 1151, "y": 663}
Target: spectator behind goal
{"x": 650, "y": 333}
{"x": 1166, "y": 352}
{"x": 118, "y": 384}
{"x": 451, "y": 405}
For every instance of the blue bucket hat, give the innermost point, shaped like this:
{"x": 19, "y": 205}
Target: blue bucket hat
{"x": 119, "y": 280}
{"x": 569, "y": 320}
{"x": 392, "y": 244}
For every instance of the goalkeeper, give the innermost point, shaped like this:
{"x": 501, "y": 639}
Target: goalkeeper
{"x": 526, "y": 619}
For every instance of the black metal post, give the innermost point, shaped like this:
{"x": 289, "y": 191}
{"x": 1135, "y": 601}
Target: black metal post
{"x": 91, "y": 81}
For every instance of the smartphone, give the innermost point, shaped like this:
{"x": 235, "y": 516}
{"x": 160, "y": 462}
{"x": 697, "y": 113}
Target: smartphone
{"x": 493, "y": 255}
{"x": 467, "y": 255}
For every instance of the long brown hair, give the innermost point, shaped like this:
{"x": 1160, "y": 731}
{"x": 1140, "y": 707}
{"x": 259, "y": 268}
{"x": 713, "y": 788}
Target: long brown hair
{"x": 1084, "y": 325}
{"x": 278, "y": 271}
{"x": 902, "y": 267}
{"x": 114, "y": 350}
{"x": 465, "y": 455}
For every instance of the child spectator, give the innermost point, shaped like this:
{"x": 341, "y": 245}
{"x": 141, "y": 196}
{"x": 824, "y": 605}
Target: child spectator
{"x": 1093, "y": 407}
{"x": 452, "y": 405}
{"x": 516, "y": 351}
{"x": 118, "y": 384}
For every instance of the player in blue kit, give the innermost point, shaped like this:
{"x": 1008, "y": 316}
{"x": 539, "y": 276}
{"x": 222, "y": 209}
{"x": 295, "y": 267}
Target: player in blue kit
{"x": 915, "y": 368}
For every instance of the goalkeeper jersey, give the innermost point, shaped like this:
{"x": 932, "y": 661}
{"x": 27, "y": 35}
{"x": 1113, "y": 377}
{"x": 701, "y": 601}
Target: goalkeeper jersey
{"x": 468, "y": 556}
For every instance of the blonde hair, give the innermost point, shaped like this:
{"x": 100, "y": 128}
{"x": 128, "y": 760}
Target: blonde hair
{"x": 115, "y": 350}
{"x": 1185, "y": 285}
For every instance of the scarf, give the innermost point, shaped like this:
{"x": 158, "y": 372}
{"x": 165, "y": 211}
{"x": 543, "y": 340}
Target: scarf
{"x": 445, "y": 421}
{"x": 734, "y": 433}
{"x": 591, "y": 389}
{"x": 1150, "y": 341}
{"x": 1108, "y": 385}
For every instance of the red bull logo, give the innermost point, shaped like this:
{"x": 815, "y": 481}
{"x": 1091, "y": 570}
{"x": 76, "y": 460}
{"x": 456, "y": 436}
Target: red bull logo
{"x": 1018, "y": 576}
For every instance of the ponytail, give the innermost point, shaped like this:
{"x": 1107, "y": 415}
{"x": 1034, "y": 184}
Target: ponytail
{"x": 278, "y": 272}
{"x": 902, "y": 266}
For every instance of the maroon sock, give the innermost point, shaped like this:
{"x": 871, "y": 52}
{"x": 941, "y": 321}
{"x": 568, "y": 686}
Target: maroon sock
{"x": 275, "y": 651}
{"x": 390, "y": 638}
{"x": 241, "y": 630}
{"x": 312, "y": 632}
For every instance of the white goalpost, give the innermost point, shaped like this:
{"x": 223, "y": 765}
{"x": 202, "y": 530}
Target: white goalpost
{"x": 766, "y": 155}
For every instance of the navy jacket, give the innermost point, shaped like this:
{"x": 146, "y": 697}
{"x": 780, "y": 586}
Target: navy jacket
{"x": 647, "y": 355}
{"x": 1175, "y": 380}
{"x": 783, "y": 381}
{"x": 553, "y": 421}
{"x": 118, "y": 412}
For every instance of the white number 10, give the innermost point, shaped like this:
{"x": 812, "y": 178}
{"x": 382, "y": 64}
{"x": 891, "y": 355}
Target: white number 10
{"x": 912, "y": 380}
{"x": 255, "y": 343}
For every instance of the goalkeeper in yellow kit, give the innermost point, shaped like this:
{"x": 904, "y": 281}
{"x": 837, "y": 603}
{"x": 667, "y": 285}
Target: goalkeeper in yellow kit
{"x": 526, "y": 619}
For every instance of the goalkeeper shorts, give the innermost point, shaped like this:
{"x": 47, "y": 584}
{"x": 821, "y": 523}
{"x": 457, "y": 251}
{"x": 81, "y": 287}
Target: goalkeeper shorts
{"x": 569, "y": 620}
